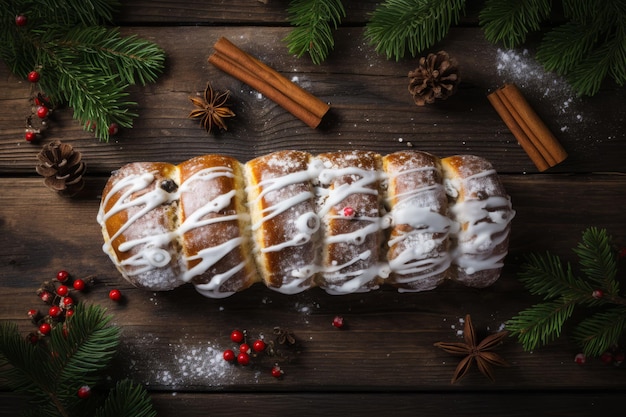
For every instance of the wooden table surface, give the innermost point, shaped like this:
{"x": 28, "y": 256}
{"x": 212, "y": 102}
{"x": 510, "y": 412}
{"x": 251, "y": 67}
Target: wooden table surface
{"x": 384, "y": 362}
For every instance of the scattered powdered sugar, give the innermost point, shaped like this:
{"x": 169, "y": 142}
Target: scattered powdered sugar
{"x": 187, "y": 362}
{"x": 535, "y": 82}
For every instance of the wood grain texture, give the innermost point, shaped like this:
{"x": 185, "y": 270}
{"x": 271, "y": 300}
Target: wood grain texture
{"x": 384, "y": 360}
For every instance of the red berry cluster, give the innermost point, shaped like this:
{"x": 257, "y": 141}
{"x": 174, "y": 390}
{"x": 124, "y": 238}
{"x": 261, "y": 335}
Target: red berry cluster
{"x": 613, "y": 356}
{"x": 41, "y": 108}
{"x": 57, "y": 295}
{"x": 245, "y": 352}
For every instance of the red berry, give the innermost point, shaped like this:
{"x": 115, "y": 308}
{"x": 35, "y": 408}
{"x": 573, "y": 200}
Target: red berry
{"x": 115, "y": 295}
{"x": 244, "y": 348}
{"x": 338, "y": 322}
{"x": 45, "y": 296}
{"x": 55, "y": 311}
{"x": 62, "y": 276}
{"x": 33, "y": 76}
{"x": 32, "y": 313}
{"x": 277, "y": 372}
{"x": 243, "y": 359}
{"x": 258, "y": 345}
{"x": 33, "y": 338}
{"x": 229, "y": 355}
{"x": 21, "y": 20}
{"x": 63, "y": 290}
{"x": 348, "y": 212}
{"x": 606, "y": 357}
{"x": 42, "y": 112}
{"x": 84, "y": 392}
{"x": 618, "y": 358}
{"x": 237, "y": 336}
{"x": 67, "y": 302}
{"x": 580, "y": 358}
{"x": 69, "y": 313}
{"x": 30, "y": 136}
{"x": 78, "y": 284}
{"x": 597, "y": 294}
{"x": 621, "y": 253}
{"x": 45, "y": 328}
{"x": 113, "y": 129}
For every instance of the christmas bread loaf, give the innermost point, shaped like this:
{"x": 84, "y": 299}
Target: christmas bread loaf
{"x": 343, "y": 221}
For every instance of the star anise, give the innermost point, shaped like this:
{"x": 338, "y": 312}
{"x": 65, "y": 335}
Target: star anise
{"x": 474, "y": 351}
{"x": 211, "y": 109}
{"x": 284, "y": 336}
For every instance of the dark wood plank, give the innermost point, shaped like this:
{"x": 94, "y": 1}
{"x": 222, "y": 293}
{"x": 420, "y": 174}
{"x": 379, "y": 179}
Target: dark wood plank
{"x": 374, "y": 404}
{"x": 371, "y": 109}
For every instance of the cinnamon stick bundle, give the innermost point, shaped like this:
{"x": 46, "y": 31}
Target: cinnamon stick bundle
{"x": 299, "y": 102}
{"x": 533, "y": 135}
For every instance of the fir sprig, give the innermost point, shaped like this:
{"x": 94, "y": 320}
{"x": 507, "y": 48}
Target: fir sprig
{"x": 74, "y": 354}
{"x": 400, "y": 26}
{"x": 596, "y": 288}
{"x": 83, "y": 62}
{"x": 313, "y": 22}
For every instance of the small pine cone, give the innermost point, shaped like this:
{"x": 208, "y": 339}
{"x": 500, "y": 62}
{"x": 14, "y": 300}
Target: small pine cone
{"x": 62, "y": 168}
{"x": 436, "y": 77}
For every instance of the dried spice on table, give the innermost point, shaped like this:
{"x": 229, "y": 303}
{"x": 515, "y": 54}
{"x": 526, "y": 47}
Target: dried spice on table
{"x": 475, "y": 351}
{"x": 212, "y": 109}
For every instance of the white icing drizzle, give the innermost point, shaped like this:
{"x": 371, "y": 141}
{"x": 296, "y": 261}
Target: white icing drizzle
{"x": 306, "y": 225}
{"x": 336, "y": 279}
{"x": 152, "y": 253}
{"x": 419, "y": 260}
{"x": 481, "y": 225}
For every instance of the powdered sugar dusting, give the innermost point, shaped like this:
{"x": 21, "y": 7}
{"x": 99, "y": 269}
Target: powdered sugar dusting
{"x": 534, "y": 81}
{"x": 190, "y": 362}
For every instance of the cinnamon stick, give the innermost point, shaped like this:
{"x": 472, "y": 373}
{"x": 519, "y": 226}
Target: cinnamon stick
{"x": 532, "y": 134}
{"x": 302, "y": 104}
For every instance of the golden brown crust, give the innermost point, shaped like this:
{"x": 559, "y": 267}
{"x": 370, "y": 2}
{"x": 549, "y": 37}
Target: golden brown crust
{"x": 212, "y": 224}
{"x": 305, "y": 221}
{"x": 418, "y": 241}
{"x": 482, "y": 211}
{"x": 137, "y": 225}
{"x": 284, "y": 223}
{"x": 351, "y": 254}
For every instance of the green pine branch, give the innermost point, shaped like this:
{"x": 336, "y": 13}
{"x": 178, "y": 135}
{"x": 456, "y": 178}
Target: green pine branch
{"x": 398, "y": 27}
{"x": 313, "y": 22}
{"x": 83, "y": 63}
{"x": 509, "y": 22}
{"x": 595, "y": 289}
{"x": 77, "y": 352}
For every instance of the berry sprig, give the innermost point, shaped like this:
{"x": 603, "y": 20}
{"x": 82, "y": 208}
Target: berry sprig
{"x": 41, "y": 108}
{"x": 57, "y": 294}
{"x": 258, "y": 351}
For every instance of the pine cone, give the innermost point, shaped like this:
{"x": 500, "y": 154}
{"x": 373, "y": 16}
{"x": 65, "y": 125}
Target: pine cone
{"x": 436, "y": 77}
{"x": 62, "y": 168}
